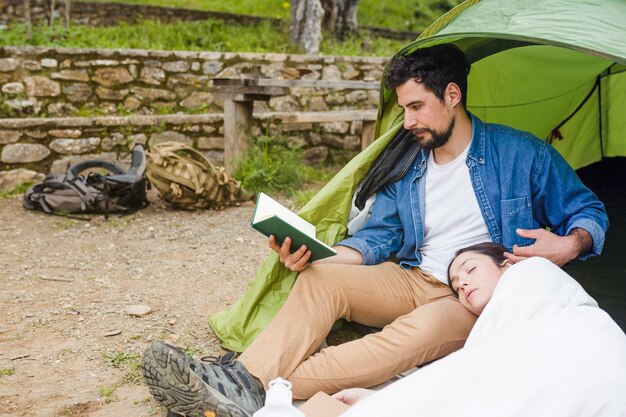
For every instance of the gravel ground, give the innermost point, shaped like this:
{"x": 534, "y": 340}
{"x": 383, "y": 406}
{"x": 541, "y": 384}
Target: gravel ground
{"x": 68, "y": 345}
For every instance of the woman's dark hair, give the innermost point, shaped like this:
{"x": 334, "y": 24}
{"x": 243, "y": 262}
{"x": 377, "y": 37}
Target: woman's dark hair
{"x": 492, "y": 250}
{"x": 433, "y": 67}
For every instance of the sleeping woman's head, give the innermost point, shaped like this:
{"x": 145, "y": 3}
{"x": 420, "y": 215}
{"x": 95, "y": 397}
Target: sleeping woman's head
{"x": 474, "y": 273}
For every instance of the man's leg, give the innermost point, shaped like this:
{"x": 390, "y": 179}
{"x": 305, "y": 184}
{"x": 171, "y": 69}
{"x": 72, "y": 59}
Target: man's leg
{"x": 427, "y": 333}
{"x": 371, "y": 295}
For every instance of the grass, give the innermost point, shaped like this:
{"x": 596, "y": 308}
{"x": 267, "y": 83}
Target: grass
{"x": 17, "y": 190}
{"x": 206, "y": 35}
{"x": 6, "y": 372}
{"x": 107, "y": 393}
{"x": 128, "y": 361}
{"x": 411, "y": 15}
{"x": 270, "y": 166}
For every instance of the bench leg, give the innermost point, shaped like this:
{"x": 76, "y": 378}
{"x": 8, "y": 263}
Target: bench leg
{"x": 367, "y": 135}
{"x": 237, "y": 125}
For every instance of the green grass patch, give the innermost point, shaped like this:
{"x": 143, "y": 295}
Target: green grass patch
{"x": 6, "y": 372}
{"x": 128, "y": 361}
{"x": 17, "y": 190}
{"x": 107, "y": 393}
{"x": 206, "y": 35}
{"x": 411, "y": 15}
{"x": 272, "y": 167}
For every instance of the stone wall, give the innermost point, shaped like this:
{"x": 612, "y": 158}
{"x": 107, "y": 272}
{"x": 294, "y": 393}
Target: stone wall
{"x": 78, "y": 82}
{"x": 61, "y": 105}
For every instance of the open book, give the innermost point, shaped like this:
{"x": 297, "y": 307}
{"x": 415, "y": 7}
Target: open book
{"x": 272, "y": 218}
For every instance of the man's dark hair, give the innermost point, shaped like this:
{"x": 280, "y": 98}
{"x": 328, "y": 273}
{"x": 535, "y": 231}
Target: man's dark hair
{"x": 491, "y": 250}
{"x": 433, "y": 67}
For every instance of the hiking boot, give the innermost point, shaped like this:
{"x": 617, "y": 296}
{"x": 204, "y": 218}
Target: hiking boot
{"x": 172, "y": 382}
{"x": 224, "y": 377}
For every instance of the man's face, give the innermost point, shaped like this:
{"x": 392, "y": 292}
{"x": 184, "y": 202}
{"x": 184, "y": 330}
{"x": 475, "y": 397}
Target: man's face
{"x": 430, "y": 119}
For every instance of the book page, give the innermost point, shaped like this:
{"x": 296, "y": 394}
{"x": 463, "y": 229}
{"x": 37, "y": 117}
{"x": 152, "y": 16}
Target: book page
{"x": 267, "y": 207}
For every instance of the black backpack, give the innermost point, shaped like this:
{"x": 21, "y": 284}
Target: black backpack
{"x": 116, "y": 191}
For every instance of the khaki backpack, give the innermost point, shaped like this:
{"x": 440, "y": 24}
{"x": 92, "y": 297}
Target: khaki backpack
{"x": 186, "y": 179}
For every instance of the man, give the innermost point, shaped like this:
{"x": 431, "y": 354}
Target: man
{"x": 472, "y": 182}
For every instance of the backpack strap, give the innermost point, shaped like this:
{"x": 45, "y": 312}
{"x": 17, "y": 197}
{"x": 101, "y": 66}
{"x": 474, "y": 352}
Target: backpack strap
{"x": 75, "y": 170}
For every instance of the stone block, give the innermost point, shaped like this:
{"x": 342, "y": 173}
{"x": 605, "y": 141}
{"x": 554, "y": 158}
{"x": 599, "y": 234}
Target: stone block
{"x": 170, "y": 135}
{"x": 188, "y": 80}
{"x": 110, "y": 77}
{"x": 197, "y": 99}
{"x": 14, "y": 177}
{"x": 70, "y": 75}
{"x": 316, "y": 155}
{"x": 65, "y": 133}
{"x": 335, "y": 127}
{"x": 151, "y": 75}
{"x": 13, "y": 88}
{"x": 109, "y": 94}
{"x": 9, "y": 136}
{"x": 77, "y": 92}
{"x": 8, "y": 64}
{"x": 356, "y": 96}
{"x": 49, "y": 63}
{"x": 116, "y": 139}
{"x": 138, "y": 138}
{"x": 61, "y": 109}
{"x": 74, "y": 146}
{"x": 211, "y": 143}
{"x": 37, "y": 134}
{"x": 41, "y": 87}
{"x": 318, "y": 104}
{"x": 331, "y": 73}
{"x": 151, "y": 94}
{"x": 212, "y": 67}
{"x": 132, "y": 103}
{"x": 31, "y": 65}
{"x": 284, "y": 103}
{"x": 16, "y": 153}
{"x": 296, "y": 142}
{"x": 176, "y": 66}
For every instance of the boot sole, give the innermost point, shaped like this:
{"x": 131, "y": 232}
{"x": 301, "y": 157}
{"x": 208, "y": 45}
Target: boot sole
{"x": 179, "y": 389}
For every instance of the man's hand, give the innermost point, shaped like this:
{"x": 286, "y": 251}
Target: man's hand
{"x": 297, "y": 261}
{"x": 352, "y": 395}
{"x": 558, "y": 249}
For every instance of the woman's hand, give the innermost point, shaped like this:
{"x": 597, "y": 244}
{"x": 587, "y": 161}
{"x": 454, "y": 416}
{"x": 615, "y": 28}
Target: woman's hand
{"x": 352, "y": 395}
{"x": 297, "y": 261}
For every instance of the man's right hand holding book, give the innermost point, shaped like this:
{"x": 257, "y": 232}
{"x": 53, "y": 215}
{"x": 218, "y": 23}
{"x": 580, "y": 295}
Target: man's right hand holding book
{"x": 298, "y": 261}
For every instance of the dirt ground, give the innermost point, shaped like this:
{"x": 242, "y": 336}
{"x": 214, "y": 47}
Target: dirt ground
{"x": 68, "y": 346}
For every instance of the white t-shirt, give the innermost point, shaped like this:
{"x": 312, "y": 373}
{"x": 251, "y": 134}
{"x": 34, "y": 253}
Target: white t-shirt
{"x": 452, "y": 218}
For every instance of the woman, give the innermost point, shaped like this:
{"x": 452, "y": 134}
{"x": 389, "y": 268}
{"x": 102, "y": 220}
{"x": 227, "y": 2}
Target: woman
{"x": 541, "y": 347}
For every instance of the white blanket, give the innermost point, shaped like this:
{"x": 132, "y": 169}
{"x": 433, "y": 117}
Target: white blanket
{"x": 542, "y": 347}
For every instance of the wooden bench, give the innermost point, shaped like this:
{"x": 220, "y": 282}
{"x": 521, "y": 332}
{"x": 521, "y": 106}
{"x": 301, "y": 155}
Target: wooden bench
{"x": 239, "y": 95}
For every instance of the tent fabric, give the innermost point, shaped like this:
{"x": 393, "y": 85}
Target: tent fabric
{"x": 533, "y": 64}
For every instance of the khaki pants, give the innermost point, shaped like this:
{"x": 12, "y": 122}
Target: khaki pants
{"x": 422, "y": 321}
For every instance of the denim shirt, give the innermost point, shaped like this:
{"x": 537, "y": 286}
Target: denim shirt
{"x": 519, "y": 180}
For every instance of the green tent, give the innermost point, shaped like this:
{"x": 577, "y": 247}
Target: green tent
{"x": 556, "y": 68}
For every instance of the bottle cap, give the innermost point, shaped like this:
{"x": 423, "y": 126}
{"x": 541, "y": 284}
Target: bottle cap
{"x": 279, "y": 392}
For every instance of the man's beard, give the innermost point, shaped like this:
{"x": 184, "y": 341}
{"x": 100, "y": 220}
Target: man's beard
{"x": 437, "y": 138}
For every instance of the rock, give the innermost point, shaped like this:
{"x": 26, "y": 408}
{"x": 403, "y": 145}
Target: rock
{"x": 316, "y": 155}
{"x": 132, "y": 103}
{"x": 9, "y": 136}
{"x": 296, "y": 142}
{"x": 11, "y": 179}
{"x": 8, "y": 64}
{"x": 151, "y": 94}
{"x": 212, "y": 68}
{"x": 108, "y": 94}
{"x": 61, "y": 109}
{"x": 70, "y": 75}
{"x": 197, "y": 99}
{"x": 23, "y": 152}
{"x": 135, "y": 139}
{"x": 65, "y": 133}
{"x": 284, "y": 103}
{"x": 151, "y": 75}
{"x": 49, "y": 63}
{"x": 41, "y": 87}
{"x": 318, "y": 104}
{"x": 170, "y": 136}
{"x": 116, "y": 139}
{"x": 188, "y": 80}
{"x": 110, "y": 77}
{"x": 210, "y": 143}
{"x": 176, "y": 66}
{"x": 13, "y": 88}
{"x": 111, "y": 333}
{"x": 356, "y": 96}
{"x": 331, "y": 73}
{"x": 74, "y": 146}
{"x": 77, "y": 92}
{"x": 139, "y": 310}
{"x": 335, "y": 127}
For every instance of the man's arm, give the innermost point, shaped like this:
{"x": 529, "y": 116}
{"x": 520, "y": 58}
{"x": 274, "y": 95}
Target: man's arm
{"x": 299, "y": 260}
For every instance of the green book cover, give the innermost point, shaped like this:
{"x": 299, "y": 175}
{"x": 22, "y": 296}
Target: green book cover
{"x": 272, "y": 218}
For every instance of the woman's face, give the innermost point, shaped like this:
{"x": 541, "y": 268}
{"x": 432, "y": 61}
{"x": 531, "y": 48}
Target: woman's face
{"x": 474, "y": 277}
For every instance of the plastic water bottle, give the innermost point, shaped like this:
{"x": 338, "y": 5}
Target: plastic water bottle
{"x": 278, "y": 401}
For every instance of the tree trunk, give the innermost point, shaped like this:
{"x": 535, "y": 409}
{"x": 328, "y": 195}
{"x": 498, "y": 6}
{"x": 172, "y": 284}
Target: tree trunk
{"x": 67, "y": 13}
{"x": 305, "y": 28}
{"x": 340, "y": 18}
{"x": 27, "y": 20}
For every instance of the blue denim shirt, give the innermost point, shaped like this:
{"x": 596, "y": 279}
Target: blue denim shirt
{"x": 520, "y": 182}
